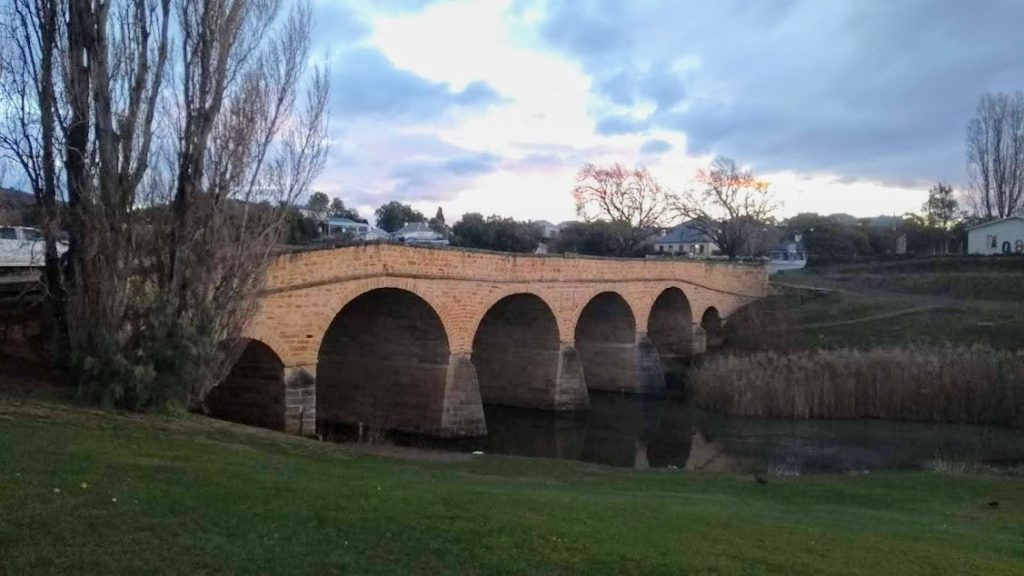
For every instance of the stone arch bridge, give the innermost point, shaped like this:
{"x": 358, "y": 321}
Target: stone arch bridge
{"x": 418, "y": 339}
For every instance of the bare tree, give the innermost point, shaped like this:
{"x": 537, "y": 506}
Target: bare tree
{"x": 995, "y": 156}
{"x": 618, "y": 194}
{"x": 177, "y": 170}
{"x": 29, "y": 138}
{"x": 731, "y": 206}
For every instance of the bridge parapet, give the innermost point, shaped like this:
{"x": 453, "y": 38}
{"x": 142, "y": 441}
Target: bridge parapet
{"x": 298, "y": 269}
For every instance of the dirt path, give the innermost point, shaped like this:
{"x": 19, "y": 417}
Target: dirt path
{"x": 924, "y": 302}
{"x": 826, "y": 285}
{"x": 872, "y": 317}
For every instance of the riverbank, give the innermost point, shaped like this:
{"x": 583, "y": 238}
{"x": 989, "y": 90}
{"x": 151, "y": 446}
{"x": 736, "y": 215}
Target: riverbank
{"x": 86, "y": 491}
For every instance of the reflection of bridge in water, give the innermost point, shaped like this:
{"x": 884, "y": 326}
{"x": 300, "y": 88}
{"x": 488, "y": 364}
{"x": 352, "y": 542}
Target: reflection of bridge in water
{"x": 417, "y": 340}
{"x": 622, "y": 430}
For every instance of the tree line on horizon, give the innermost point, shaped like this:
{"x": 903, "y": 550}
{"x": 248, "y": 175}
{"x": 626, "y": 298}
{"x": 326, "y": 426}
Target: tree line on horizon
{"x": 621, "y": 208}
{"x": 624, "y": 211}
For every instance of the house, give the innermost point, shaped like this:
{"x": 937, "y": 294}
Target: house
{"x": 358, "y": 230}
{"x": 547, "y": 229}
{"x": 419, "y": 233}
{"x": 1005, "y": 236}
{"x": 685, "y": 239}
{"x": 374, "y": 234}
{"x": 790, "y": 254}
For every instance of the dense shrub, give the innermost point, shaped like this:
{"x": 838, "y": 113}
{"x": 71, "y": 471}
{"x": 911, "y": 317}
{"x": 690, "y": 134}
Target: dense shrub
{"x": 976, "y": 385}
{"x": 163, "y": 367}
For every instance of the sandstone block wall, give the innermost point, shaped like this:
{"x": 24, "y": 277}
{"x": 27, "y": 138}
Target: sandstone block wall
{"x": 306, "y": 290}
{"x": 420, "y": 337}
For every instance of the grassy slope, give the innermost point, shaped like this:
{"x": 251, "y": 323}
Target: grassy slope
{"x": 198, "y": 496}
{"x": 955, "y": 320}
{"x": 999, "y": 326}
{"x": 973, "y": 278}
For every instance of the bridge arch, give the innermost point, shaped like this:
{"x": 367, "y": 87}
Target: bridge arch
{"x": 516, "y": 352}
{"x": 605, "y": 338}
{"x": 328, "y": 301}
{"x": 711, "y": 322}
{"x": 253, "y": 391}
{"x": 670, "y": 325}
{"x": 383, "y": 363}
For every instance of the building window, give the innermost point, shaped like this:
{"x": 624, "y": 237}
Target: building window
{"x": 992, "y": 241}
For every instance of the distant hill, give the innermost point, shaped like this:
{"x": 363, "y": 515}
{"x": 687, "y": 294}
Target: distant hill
{"x": 16, "y": 207}
{"x": 12, "y": 199}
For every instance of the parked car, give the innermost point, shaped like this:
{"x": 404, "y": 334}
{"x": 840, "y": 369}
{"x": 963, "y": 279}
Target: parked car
{"x": 22, "y": 247}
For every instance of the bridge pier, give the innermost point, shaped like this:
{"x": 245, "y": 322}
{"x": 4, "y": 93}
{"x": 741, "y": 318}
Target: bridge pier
{"x": 650, "y": 374}
{"x": 462, "y": 411}
{"x": 570, "y": 384}
{"x": 616, "y": 367}
{"x": 300, "y": 400}
{"x": 700, "y": 340}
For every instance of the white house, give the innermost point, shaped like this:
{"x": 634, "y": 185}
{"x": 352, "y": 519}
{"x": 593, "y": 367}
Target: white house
{"x": 547, "y": 229}
{"x": 685, "y": 239}
{"x": 790, "y": 254}
{"x": 358, "y": 230}
{"x": 419, "y": 233}
{"x": 1004, "y": 236}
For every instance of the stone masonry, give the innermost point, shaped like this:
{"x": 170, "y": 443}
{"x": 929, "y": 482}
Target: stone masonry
{"x": 353, "y": 325}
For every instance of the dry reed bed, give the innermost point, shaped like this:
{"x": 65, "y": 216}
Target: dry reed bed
{"x": 975, "y": 385}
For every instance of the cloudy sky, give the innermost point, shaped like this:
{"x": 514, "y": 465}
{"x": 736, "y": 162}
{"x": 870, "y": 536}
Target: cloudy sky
{"x": 492, "y": 106}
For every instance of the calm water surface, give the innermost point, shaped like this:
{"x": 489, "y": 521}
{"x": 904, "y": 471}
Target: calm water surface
{"x": 628, "y": 430}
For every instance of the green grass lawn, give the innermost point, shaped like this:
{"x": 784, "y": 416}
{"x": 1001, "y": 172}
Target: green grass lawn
{"x": 199, "y": 496}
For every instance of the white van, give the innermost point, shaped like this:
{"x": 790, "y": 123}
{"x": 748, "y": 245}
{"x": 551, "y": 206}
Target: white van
{"x": 22, "y": 247}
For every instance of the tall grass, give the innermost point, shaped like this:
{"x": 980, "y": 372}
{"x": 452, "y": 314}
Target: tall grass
{"x": 974, "y": 385}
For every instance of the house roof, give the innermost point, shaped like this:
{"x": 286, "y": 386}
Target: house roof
{"x": 414, "y": 227}
{"x": 1020, "y": 218}
{"x": 344, "y": 222}
{"x": 683, "y": 233}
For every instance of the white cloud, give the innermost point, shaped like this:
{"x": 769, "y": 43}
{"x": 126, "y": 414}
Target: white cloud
{"x": 553, "y": 112}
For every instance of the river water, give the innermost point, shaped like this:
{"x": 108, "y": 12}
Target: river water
{"x": 633, "y": 431}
